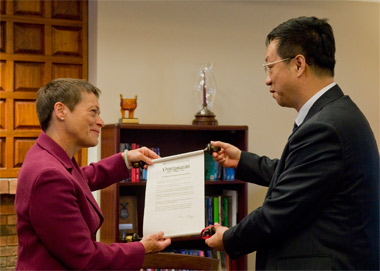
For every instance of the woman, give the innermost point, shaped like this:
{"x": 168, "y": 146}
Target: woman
{"x": 57, "y": 215}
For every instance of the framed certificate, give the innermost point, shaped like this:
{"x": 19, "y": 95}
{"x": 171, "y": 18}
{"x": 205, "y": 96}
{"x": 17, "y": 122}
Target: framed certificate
{"x": 175, "y": 196}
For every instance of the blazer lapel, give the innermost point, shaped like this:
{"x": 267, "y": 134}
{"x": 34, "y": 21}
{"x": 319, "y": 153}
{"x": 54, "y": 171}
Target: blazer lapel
{"x": 332, "y": 94}
{"x": 84, "y": 184}
{"x": 47, "y": 143}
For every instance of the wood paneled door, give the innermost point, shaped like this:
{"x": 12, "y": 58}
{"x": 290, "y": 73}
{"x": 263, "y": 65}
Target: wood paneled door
{"x": 39, "y": 41}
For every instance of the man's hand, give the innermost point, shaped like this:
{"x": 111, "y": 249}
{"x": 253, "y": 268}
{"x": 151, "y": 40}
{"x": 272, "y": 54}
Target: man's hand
{"x": 216, "y": 241}
{"x": 155, "y": 242}
{"x": 228, "y": 156}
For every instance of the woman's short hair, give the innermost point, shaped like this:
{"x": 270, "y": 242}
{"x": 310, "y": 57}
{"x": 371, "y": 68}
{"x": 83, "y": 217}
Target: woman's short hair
{"x": 65, "y": 90}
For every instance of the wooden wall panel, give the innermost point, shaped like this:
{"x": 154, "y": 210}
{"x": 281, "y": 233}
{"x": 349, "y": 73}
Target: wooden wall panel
{"x": 2, "y": 114}
{"x": 2, "y": 36}
{"x": 2, "y": 152}
{"x": 29, "y": 38}
{"x": 29, "y": 76}
{"x": 2, "y": 7}
{"x": 71, "y": 10}
{"x": 26, "y": 115}
{"x": 22, "y": 145}
{"x": 67, "y": 71}
{"x": 39, "y": 41}
{"x": 67, "y": 41}
{"x": 3, "y": 72}
{"x": 31, "y": 8}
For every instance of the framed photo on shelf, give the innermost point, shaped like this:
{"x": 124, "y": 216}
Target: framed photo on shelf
{"x": 128, "y": 214}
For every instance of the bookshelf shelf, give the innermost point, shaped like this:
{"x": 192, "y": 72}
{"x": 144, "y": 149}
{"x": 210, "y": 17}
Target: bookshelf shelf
{"x": 171, "y": 139}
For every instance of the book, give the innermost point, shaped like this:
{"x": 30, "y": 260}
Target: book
{"x": 223, "y": 260}
{"x": 216, "y": 209}
{"x": 122, "y": 148}
{"x": 229, "y": 211}
{"x": 218, "y": 171}
{"x": 133, "y": 170}
{"x": 231, "y": 174}
{"x": 209, "y": 167}
{"x": 137, "y": 174}
{"x": 209, "y": 211}
{"x": 233, "y": 209}
{"x": 137, "y": 170}
{"x": 225, "y": 210}
{"x": 228, "y": 174}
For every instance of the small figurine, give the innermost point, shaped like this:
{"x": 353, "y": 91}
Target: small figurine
{"x": 123, "y": 210}
{"x": 128, "y": 104}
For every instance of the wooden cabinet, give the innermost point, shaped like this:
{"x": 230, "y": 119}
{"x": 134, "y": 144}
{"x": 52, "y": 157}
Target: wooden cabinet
{"x": 171, "y": 139}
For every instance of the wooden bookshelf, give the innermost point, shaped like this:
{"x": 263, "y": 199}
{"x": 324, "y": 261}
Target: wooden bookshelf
{"x": 171, "y": 139}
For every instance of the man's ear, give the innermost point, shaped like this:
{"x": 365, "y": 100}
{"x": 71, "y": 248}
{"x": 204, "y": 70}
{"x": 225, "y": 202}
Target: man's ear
{"x": 300, "y": 62}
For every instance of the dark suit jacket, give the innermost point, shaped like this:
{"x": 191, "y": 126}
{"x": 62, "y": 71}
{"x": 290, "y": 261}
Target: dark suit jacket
{"x": 58, "y": 217}
{"x": 321, "y": 210}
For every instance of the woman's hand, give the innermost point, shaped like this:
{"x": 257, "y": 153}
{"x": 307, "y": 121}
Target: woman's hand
{"x": 142, "y": 154}
{"x": 155, "y": 242}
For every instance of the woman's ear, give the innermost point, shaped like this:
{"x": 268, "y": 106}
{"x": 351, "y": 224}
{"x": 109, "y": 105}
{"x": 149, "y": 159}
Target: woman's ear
{"x": 59, "y": 110}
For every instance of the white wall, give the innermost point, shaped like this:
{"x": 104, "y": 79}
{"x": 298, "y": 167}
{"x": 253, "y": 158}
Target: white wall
{"x": 154, "y": 49}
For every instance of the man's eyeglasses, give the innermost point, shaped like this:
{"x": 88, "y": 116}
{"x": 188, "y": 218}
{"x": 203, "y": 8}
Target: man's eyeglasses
{"x": 268, "y": 66}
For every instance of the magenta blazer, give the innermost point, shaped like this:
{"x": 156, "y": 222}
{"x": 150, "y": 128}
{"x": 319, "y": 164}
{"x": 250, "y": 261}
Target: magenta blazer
{"x": 58, "y": 217}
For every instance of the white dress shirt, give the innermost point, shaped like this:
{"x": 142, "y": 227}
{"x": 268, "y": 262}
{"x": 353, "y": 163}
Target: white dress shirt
{"x": 306, "y": 107}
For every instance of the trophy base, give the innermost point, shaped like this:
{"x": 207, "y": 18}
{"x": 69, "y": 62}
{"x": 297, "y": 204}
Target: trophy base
{"x": 205, "y": 117}
{"x": 127, "y": 120}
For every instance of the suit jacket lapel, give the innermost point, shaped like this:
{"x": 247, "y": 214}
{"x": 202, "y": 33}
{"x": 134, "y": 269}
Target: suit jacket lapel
{"x": 77, "y": 172}
{"x": 332, "y": 94}
{"x": 71, "y": 166}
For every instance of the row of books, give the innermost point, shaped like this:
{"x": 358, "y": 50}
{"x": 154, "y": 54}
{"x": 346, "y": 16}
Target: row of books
{"x": 222, "y": 209}
{"x": 213, "y": 171}
{"x": 137, "y": 174}
{"x": 224, "y": 260}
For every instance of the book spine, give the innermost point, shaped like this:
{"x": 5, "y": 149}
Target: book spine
{"x": 209, "y": 167}
{"x": 209, "y": 211}
{"x": 122, "y": 148}
{"x": 225, "y": 211}
{"x": 234, "y": 202}
{"x": 216, "y": 210}
{"x": 220, "y": 209}
{"x": 133, "y": 170}
{"x": 137, "y": 170}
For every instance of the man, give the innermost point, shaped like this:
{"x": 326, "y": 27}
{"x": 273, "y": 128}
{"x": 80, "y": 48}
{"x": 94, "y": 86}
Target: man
{"x": 321, "y": 210}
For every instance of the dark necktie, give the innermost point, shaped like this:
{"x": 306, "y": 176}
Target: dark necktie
{"x": 295, "y": 127}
